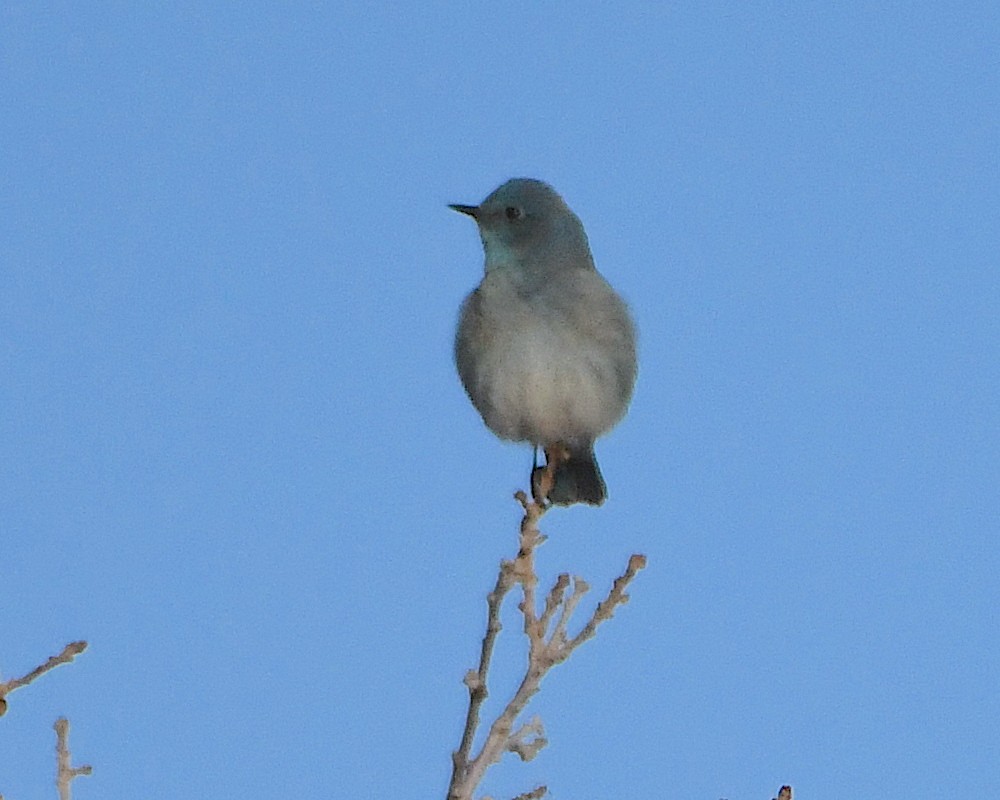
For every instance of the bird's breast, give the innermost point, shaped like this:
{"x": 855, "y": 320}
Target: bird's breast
{"x": 534, "y": 367}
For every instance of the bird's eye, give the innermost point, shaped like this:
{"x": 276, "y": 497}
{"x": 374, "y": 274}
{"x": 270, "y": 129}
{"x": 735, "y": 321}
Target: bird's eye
{"x": 513, "y": 213}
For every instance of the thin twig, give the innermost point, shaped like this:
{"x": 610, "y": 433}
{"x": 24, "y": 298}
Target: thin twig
{"x": 69, "y": 652}
{"x": 534, "y": 794}
{"x": 554, "y": 601}
{"x": 476, "y": 680}
{"x": 519, "y": 743}
{"x": 606, "y": 608}
{"x": 65, "y": 772}
{"x": 559, "y": 637}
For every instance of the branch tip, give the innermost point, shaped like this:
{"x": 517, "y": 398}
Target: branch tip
{"x": 69, "y": 652}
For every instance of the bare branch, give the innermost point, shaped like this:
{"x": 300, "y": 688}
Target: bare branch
{"x": 554, "y": 601}
{"x": 475, "y": 680}
{"x": 65, "y": 772}
{"x": 69, "y": 652}
{"x": 545, "y": 650}
{"x": 527, "y": 748}
{"x": 606, "y": 608}
{"x": 557, "y": 641}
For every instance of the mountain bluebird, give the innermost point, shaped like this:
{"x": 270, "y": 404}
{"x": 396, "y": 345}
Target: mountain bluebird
{"x": 545, "y": 348}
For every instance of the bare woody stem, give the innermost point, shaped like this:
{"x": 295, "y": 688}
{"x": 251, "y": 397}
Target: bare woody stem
{"x": 545, "y": 650}
{"x": 65, "y": 771}
{"x": 69, "y": 652}
{"x": 475, "y": 680}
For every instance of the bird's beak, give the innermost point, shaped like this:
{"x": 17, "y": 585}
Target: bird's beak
{"x": 472, "y": 211}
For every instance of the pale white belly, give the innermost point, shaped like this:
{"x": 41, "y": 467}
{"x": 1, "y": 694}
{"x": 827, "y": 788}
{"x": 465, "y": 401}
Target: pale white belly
{"x": 541, "y": 380}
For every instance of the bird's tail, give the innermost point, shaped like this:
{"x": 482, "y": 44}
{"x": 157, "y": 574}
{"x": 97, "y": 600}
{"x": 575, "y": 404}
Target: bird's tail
{"x": 578, "y": 479}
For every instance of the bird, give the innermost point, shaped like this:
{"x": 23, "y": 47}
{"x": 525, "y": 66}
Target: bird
{"x": 545, "y": 348}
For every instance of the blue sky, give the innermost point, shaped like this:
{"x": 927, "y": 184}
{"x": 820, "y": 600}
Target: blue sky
{"x": 238, "y": 460}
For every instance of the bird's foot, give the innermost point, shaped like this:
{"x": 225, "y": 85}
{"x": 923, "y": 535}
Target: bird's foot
{"x": 542, "y": 481}
{"x": 544, "y": 478}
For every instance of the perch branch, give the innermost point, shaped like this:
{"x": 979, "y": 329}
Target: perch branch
{"x": 545, "y": 650}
